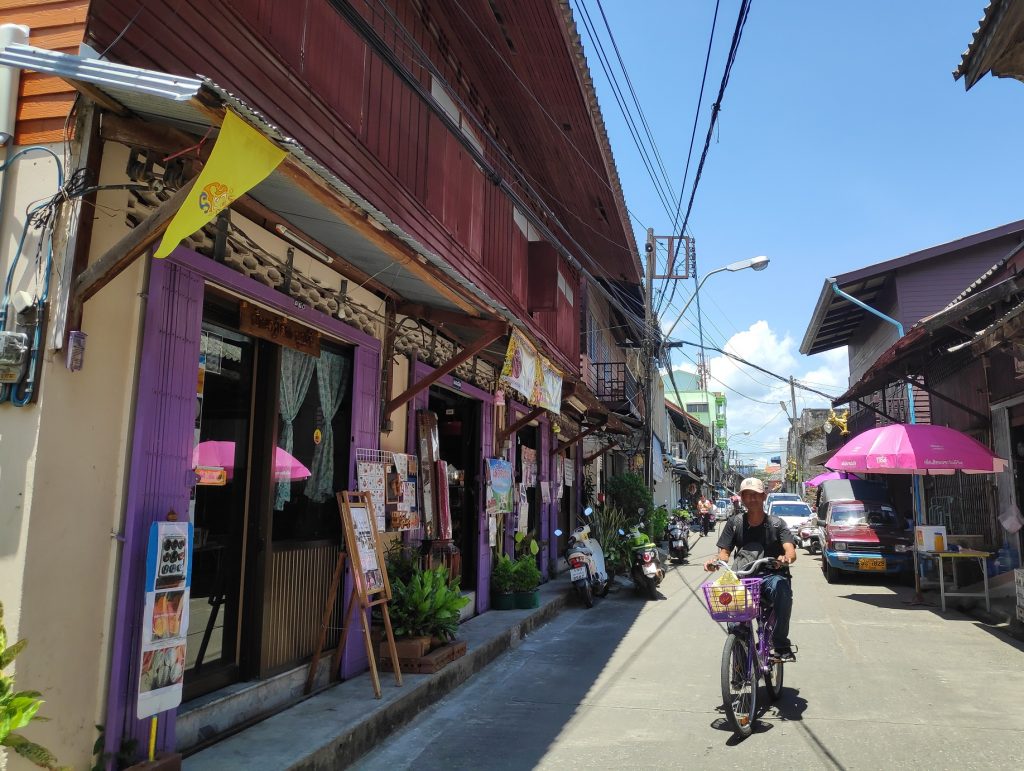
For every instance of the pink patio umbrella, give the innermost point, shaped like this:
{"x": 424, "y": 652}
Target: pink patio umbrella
{"x": 222, "y": 455}
{"x": 828, "y": 476}
{"x": 918, "y": 449}
{"x": 915, "y": 449}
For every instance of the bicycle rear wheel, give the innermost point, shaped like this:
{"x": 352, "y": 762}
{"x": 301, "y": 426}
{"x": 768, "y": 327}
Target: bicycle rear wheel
{"x": 739, "y": 684}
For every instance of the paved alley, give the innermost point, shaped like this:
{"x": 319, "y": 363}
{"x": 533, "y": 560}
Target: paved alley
{"x": 635, "y": 684}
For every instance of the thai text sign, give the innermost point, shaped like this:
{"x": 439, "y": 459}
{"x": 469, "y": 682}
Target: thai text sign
{"x": 259, "y": 322}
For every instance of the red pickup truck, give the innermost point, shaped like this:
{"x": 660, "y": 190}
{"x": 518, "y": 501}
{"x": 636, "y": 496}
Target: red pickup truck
{"x": 864, "y": 537}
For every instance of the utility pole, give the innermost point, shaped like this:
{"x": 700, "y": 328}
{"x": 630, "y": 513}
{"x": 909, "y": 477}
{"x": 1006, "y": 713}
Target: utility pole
{"x": 701, "y": 363}
{"x": 650, "y": 348}
{"x": 796, "y": 436}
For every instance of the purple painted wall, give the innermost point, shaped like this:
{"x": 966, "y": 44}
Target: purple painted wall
{"x": 928, "y": 287}
{"x": 160, "y": 464}
{"x": 159, "y": 475}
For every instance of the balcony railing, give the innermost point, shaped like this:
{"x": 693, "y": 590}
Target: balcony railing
{"x": 616, "y": 386}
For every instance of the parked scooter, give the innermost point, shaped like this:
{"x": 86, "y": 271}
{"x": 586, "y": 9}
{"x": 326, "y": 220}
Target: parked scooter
{"x": 645, "y": 565}
{"x": 677, "y": 533}
{"x": 586, "y": 563}
{"x": 809, "y": 536}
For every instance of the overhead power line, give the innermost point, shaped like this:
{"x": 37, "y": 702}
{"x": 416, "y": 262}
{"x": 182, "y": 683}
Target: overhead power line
{"x": 693, "y": 136}
{"x": 797, "y": 383}
{"x": 716, "y": 107}
{"x": 662, "y": 185}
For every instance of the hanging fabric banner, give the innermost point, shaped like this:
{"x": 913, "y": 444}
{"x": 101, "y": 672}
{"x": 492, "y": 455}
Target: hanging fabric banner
{"x": 520, "y": 370}
{"x": 549, "y": 380}
{"x": 241, "y": 158}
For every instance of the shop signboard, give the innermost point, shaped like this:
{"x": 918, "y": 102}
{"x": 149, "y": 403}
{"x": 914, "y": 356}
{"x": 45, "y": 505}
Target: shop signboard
{"x": 259, "y": 322}
{"x": 165, "y": 617}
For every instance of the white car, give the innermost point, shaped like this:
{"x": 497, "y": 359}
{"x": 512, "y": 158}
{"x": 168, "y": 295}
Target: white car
{"x": 793, "y": 513}
{"x": 772, "y": 497}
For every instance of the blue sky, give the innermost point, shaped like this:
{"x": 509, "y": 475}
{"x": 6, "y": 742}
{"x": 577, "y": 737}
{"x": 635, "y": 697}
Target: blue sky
{"x": 843, "y": 141}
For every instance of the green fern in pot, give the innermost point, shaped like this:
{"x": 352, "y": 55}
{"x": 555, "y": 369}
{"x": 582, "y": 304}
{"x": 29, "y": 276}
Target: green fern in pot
{"x": 428, "y": 605}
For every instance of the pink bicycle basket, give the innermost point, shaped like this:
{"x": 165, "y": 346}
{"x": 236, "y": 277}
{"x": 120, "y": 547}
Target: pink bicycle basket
{"x": 733, "y": 602}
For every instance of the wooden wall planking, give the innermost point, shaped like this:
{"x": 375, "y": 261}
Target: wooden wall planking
{"x": 44, "y": 101}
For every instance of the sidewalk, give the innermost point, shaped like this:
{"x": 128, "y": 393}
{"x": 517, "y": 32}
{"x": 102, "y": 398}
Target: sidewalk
{"x": 332, "y": 729}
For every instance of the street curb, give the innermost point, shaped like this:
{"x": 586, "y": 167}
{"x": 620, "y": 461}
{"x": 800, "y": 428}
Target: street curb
{"x": 1004, "y": 621}
{"x": 354, "y": 742}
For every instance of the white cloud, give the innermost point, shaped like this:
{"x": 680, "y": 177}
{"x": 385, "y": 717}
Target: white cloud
{"x": 754, "y": 396}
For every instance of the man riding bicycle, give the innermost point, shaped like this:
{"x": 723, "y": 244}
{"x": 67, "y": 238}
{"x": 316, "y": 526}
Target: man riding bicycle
{"x": 756, "y": 535}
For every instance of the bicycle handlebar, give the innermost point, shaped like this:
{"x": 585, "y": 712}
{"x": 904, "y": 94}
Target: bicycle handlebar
{"x": 769, "y": 561}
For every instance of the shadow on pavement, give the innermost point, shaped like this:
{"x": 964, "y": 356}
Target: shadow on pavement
{"x": 524, "y": 700}
{"x": 1002, "y": 634}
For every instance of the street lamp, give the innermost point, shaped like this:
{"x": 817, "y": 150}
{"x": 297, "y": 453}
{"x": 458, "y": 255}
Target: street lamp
{"x": 736, "y": 433}
{"x": 756, "y": 263}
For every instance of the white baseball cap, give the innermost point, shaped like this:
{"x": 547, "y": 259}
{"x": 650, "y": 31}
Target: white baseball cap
{"x": 752, "y": 483}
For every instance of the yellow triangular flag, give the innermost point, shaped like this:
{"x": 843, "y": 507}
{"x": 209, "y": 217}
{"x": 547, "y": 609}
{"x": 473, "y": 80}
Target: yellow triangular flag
{"x": 240, "y": 160}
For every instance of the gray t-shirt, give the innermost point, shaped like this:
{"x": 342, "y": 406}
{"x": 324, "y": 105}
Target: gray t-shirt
{"x": 752, "y": 543}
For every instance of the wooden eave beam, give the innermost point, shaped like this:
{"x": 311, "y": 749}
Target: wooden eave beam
{"x": 563, "y": 446}
{"x": 440, "y": 317}
{"x": 1010, "y": 328}
{"x": 506, "y": 432}
{"x": 249, "y": 207}
{"x": 134, "y": 243}
{"x": 349, "y": 215}
{"x": 464, "y": 355}
{"x": 594, "y": 456}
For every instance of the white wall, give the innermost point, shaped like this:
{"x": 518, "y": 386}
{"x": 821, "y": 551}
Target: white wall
{"x": 63, "y": 462}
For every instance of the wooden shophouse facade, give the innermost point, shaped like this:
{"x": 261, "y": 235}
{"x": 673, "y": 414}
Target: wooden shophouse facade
{"x": 447, "y": 180}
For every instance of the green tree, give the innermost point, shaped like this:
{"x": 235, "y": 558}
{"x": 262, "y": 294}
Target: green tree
{"x": 629, "y": 493}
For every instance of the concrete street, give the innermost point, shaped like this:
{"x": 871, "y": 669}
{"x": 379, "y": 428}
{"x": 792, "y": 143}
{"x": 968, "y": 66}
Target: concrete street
{"x": 635, "y": 684}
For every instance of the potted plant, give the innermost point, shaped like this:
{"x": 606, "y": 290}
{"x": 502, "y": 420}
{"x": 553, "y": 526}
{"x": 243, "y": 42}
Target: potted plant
{"x": 425, "y": 607}
{"x": 503, "y": 584}
{"x": 527, "y": 579}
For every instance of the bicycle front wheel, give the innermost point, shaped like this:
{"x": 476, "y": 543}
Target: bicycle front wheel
{"x": 773, "y": 679}
{"x": 739, "y": 684}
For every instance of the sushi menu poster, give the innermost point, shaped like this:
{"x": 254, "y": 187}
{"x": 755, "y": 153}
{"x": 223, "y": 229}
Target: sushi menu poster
{"x": 165, "y": 617}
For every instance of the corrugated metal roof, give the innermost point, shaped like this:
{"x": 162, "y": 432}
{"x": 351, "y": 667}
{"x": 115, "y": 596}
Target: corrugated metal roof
{"x": 176, "y": 100}
{"x": 983, "y": 279}
{"x": 991, "y": 10}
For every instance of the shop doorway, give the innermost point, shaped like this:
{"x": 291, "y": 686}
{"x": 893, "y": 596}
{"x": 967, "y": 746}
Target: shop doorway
{"x": 527, "y": 437}
{"x": 271, "y": 448}
{"x": 458, "y": 429}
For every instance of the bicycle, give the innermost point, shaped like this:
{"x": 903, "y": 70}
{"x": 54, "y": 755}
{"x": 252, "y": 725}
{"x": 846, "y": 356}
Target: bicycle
{"x": 744, "y": 664}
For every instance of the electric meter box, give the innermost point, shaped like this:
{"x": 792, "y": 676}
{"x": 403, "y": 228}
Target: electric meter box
{"x": 13, "y": 356}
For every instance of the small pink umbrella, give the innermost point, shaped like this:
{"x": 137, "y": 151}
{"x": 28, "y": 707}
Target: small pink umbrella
{"x": 828, "y": 476}
{"x": 915, "y": 449}
{"x": 222, "y": 455}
